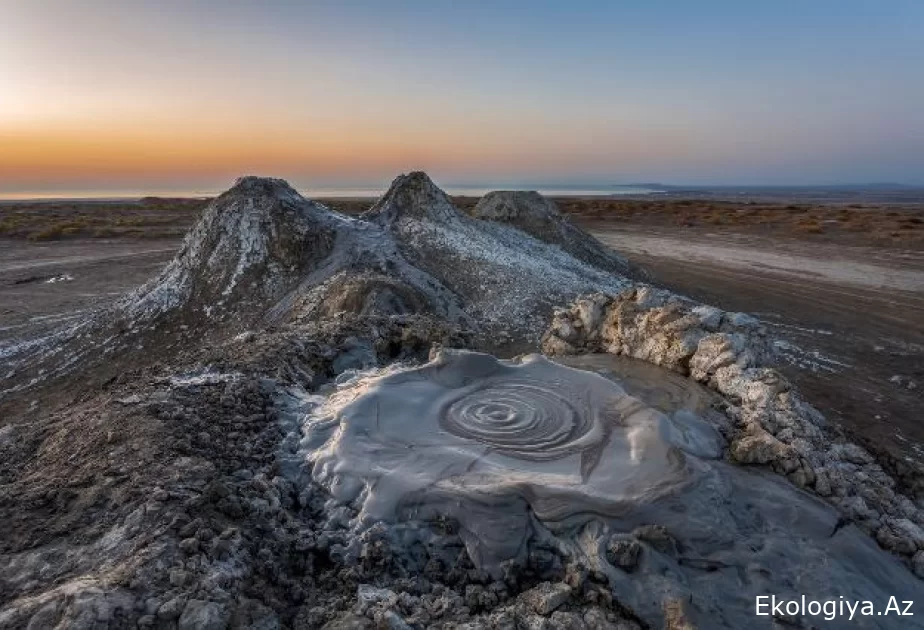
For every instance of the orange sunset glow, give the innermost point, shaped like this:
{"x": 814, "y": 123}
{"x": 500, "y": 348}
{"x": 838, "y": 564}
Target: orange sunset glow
{"x": 105, "y": 95}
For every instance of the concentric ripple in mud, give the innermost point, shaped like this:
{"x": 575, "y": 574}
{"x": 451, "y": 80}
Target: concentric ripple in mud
{"x": 520, "y": 418}
{"x": 491, "y": 443}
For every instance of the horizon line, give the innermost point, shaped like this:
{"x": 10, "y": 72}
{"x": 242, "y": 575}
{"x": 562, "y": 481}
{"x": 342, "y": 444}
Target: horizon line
{"x": 555, "y": 189}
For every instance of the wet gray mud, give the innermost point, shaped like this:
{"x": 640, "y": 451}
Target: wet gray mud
{"x": 300, "y": 422}
{"x": 666, "y": 391}
{"x": 532, "y": 454}
{"x": 498, "y": 441}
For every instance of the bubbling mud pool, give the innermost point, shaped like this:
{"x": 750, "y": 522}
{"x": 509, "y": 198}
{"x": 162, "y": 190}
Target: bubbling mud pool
{"x": 494, "y": 443}
{"x": 531, "y": 454}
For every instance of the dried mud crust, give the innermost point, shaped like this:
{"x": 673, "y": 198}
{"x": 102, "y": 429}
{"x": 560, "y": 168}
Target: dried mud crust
{"x": 774, "y": 426}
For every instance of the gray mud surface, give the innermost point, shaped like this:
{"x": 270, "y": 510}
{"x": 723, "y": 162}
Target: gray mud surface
{"x": 530, "y": 453}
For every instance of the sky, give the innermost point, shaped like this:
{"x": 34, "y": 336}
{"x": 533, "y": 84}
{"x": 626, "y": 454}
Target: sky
{"x": 103, "y": 95}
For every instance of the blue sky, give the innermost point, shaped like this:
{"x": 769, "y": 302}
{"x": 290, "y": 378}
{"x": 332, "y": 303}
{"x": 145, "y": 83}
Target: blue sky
{"x": 189, "y": 94}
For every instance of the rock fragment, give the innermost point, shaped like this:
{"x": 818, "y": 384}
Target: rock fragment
{"x": 623, "y": 552}
{"x": 546, "y": 597}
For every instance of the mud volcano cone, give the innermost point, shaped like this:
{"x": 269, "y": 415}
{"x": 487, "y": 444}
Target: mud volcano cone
{"x": 540, "y": 218}
{"x": 415, "y": 196}
{"x": 251, "y": 245}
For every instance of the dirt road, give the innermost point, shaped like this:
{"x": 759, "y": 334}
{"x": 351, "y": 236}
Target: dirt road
{"x": 45, "y": 283}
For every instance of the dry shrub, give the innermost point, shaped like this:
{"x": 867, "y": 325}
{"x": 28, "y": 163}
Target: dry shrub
{"x": 809, "y": 226}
